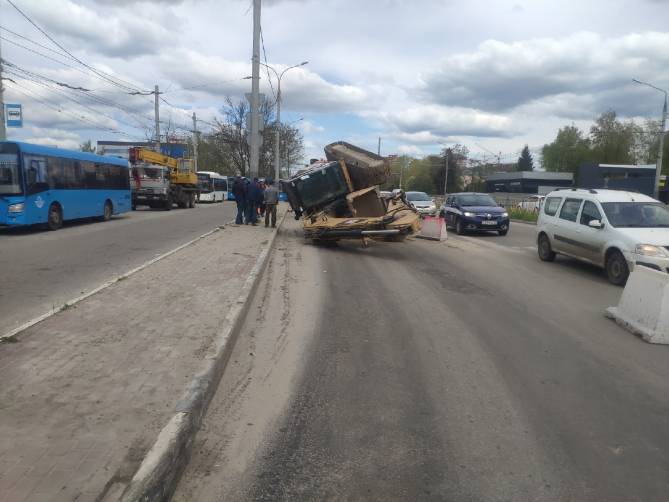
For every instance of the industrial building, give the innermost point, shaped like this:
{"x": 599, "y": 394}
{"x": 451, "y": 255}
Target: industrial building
{"x": 540, "y": 182}
{"x": 633, "y": 178}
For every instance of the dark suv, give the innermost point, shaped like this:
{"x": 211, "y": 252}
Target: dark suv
{"x": 474, "y": 211}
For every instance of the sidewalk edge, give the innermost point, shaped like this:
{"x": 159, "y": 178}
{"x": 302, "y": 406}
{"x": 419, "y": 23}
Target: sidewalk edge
{"x": 10, "y": 335}
{"x": 162, "y": 466}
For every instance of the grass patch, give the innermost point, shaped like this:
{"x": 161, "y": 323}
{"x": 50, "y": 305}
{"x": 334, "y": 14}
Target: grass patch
{"x": 517, "y": 213}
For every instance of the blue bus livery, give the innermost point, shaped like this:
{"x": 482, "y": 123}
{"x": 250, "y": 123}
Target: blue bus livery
{"x": 40, "y": 185}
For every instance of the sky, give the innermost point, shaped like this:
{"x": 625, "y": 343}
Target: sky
{"x": 420, "y": 74}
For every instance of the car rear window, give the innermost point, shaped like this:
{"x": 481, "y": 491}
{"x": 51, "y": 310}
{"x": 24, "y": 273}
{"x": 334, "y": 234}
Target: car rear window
{"x": 551, "y": 205}
{"x": 570, "y": 209}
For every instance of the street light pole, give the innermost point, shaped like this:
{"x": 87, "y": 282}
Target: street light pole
{"x": 3, "y": 131}
{"x": 663, "y": 134}
{"x": 277, "y": 133}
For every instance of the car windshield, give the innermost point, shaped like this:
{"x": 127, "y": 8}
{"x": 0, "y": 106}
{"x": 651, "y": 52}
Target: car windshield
{"x": 476, "y": 200}
{"x": 10, "y": 181}
{"x": 418, "y": 196}
{"x": 637, "y": 214}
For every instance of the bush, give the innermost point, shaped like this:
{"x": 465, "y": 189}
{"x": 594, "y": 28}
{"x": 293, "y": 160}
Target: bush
{"x": 517, "y": 213}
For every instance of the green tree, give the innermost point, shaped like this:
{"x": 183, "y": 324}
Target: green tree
{"x": 419, "y": 175}
{"x": 87, "y": 146}
{"x": 525, "y": 162}
{"x": 612, "y": 140}
{"x": 456, "y": 158}
{"x": 569, "y": 149}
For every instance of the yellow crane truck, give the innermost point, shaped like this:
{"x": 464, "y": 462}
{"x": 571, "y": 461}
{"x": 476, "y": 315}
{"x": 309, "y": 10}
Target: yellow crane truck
{"x": 160, "y": 180}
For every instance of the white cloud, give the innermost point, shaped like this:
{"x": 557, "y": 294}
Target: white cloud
{"x": 409, "y": 150}
{"x": 428, "y": 122}
{"x": 501, "y": 76}
{"x": 127, "y": 34}
{"x": 308, "y": 127}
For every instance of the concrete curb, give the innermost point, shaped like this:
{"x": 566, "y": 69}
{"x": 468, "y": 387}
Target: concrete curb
{"x": 161, "y": 468}
{"x": 523, "y": 221}
{"x": 10, "y": 335}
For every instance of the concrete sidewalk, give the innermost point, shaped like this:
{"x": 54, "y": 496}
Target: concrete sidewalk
{"x": 84, "y": 394}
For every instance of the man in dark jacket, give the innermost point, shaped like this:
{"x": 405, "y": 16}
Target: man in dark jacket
{"x": 253, "y": 199}
{"x": 239, "y": 191}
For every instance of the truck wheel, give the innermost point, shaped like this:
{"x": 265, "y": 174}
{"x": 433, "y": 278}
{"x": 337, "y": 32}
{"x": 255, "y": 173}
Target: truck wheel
{"x": 168, "y": 203}
{"x": 191, "y": 201}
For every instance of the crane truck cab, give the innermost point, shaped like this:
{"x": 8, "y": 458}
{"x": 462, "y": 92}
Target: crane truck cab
{"x": 161, "y": 181}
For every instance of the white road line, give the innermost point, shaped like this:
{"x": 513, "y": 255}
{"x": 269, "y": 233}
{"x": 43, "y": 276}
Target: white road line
{"x": 9, "y": 335}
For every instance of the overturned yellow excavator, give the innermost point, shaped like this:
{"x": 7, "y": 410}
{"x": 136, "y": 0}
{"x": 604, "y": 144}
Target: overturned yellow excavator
{"x": 339, "y": 198}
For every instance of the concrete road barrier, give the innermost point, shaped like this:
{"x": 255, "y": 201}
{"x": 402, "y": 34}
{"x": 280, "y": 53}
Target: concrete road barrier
{"x": 433, "y": 228}
{"x": 644, "y": 306}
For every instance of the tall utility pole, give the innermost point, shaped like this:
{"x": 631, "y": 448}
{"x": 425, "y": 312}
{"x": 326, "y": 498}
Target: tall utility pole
{"x": 156, "y": 93}
{"x": 446, "y": 156}
{"x": 378, "y": 152}
{"x": 195, "y": 141}
{"x": 254, "y": 154}
{"x": 663, "y": 135}
{"x": 3, "y": 131}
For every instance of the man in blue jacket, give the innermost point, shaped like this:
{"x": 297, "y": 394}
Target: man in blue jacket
{"x": 254, "y": 199}
{"x": 239, "y": 191}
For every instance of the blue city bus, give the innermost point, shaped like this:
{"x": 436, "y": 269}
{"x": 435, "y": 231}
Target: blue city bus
{"x": 42, "y": 185}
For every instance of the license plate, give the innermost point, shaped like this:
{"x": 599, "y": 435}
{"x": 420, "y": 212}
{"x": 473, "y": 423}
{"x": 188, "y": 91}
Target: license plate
{"x": 489, "y": 222}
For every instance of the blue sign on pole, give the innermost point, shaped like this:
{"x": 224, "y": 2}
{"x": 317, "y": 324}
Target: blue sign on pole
{"x": 13, "y": 115}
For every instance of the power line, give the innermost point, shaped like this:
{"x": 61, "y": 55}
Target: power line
{"x": 269, "y": 79}
{"x": 97, "y": 72}
{"x": 28, "y": 93}
{"x": 85, "y": 92}
{"x": 67, "y": 96}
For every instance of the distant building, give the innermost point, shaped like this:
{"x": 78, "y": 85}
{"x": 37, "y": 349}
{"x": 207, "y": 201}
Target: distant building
{"x": 120, "y": 148}
{"x": 634, "y": 178}
{"x": 527, "y": 181}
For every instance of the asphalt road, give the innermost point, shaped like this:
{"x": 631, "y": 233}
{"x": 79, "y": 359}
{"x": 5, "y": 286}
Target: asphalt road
{"x": 40, "y": 269}
{"x": 464, "y": 370}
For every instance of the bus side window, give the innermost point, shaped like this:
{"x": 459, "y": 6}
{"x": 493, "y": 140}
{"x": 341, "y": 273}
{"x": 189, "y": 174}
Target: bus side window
{"x": 35, "y": 169}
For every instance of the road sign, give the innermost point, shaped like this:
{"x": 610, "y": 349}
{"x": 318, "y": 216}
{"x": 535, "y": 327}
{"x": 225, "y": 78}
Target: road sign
{"x": 13, "y": 115}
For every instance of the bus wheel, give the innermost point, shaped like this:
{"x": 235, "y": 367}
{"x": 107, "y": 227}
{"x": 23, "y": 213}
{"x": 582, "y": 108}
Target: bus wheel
{"x": 55, "y": 220}
{"x": 108, "y": 211}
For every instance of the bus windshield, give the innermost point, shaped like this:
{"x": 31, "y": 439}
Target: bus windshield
{"x": 204, "y": 183}
{"x": 10, "y": 176}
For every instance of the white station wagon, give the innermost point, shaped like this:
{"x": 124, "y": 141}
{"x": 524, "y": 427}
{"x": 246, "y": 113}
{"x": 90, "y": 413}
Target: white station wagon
{"x": 613, "y": 229}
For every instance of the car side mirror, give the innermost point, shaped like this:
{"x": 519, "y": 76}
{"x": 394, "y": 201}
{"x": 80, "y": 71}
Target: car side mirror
{"x": 596, "y": 224}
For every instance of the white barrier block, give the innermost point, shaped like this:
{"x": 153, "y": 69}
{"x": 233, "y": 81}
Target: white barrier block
{"x": 433, "y": 227}
{"x": 644, "y": 305}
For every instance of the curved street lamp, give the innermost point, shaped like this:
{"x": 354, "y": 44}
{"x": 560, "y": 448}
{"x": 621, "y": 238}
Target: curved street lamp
{"x": 663, "y": 134}
{"x": 279, "y": 76}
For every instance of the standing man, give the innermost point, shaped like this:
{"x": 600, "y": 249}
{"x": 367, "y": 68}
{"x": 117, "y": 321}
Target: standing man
{"x": 254, "y": 195}
{"x": 239, "y": 191}
{"x": 271, "y": 199}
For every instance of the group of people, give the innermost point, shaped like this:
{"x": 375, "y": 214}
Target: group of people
{"x": 254, "y": 199}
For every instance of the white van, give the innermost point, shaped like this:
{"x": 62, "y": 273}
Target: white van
{"x": 612, "y": 229}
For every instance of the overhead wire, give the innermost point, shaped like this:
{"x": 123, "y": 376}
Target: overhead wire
{"x": 114, "y": 81}
{"x": 84, "y": 92}
{"x": 30, "y": 93}
{"x": 74, "y": 100}
{"x": 269, "y": 79}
